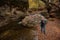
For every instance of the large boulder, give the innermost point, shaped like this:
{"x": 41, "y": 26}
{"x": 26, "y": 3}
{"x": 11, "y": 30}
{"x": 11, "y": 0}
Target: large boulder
{"x": 32, "y": 20}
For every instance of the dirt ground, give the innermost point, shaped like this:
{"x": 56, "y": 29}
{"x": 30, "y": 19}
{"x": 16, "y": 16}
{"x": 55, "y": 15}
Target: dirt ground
{"x": 52, "y": 31}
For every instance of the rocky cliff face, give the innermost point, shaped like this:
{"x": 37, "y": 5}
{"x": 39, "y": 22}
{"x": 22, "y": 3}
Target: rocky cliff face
{"x": 10, "y": 29}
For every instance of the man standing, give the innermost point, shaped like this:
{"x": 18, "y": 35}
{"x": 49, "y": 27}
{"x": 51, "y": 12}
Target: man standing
{"x": 43, "y": 24}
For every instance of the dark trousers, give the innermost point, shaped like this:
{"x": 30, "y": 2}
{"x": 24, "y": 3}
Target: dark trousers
{"x": 43, "y": 29}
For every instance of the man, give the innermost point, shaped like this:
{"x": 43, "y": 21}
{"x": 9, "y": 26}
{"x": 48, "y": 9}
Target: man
{"x": 43, "y": 24}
